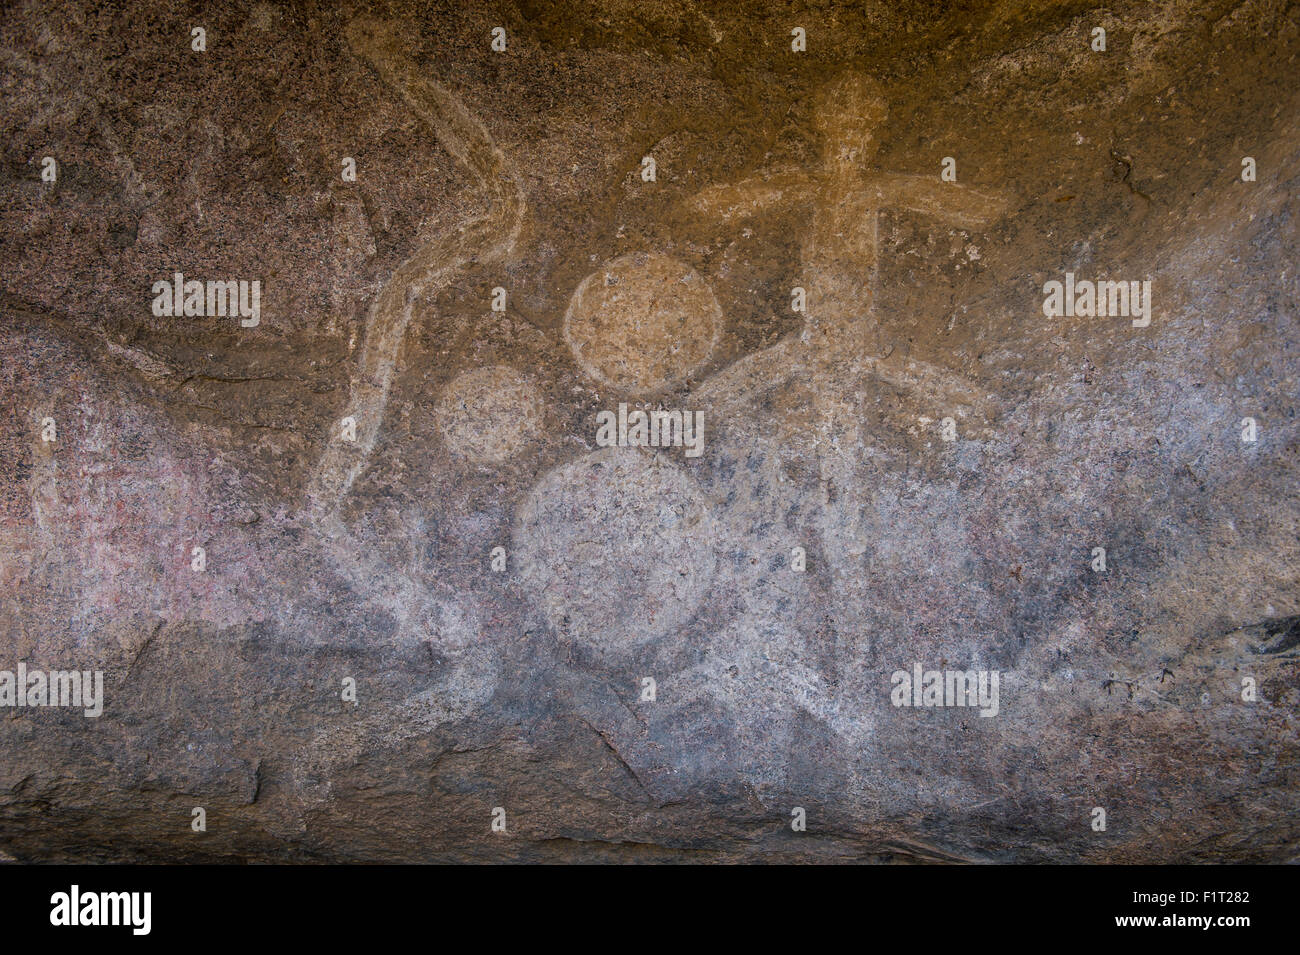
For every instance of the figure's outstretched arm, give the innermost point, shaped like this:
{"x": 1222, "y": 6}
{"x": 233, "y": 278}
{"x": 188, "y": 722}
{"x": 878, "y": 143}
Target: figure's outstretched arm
{"x": 948, "y": 201}
{"x": 749, "y": 197}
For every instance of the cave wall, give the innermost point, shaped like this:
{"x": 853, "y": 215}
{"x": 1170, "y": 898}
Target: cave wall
{"x": 907, "y": 465}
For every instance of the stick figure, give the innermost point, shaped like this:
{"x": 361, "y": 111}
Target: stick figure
{"x": 841, "y": 251}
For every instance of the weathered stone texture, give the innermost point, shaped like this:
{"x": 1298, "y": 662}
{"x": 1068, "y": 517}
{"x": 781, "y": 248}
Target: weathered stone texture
{"x": 371, "y": 559}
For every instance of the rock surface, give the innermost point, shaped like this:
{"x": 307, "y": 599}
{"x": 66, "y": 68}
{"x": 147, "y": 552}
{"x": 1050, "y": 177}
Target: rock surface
{"x": 396, "y": 477}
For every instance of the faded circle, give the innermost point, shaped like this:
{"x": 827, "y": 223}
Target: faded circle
{"x": 616, "y": 547}
{"x": 642, "y": 322}
{"x": 489, "y": 414}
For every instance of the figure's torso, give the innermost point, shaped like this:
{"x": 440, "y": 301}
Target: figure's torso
{"x": 839, "y": 262}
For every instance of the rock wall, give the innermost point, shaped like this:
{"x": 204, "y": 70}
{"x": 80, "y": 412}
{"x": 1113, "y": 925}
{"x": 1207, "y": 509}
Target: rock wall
{"x": 648, "y": 420}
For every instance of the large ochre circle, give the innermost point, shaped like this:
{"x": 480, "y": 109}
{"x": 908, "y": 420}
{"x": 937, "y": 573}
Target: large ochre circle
{"x": 616, "y": 547}
{"x": 642, "y": 322}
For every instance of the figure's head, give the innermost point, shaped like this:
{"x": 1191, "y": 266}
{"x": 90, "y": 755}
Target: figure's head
{"x": 848, "y": 113}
